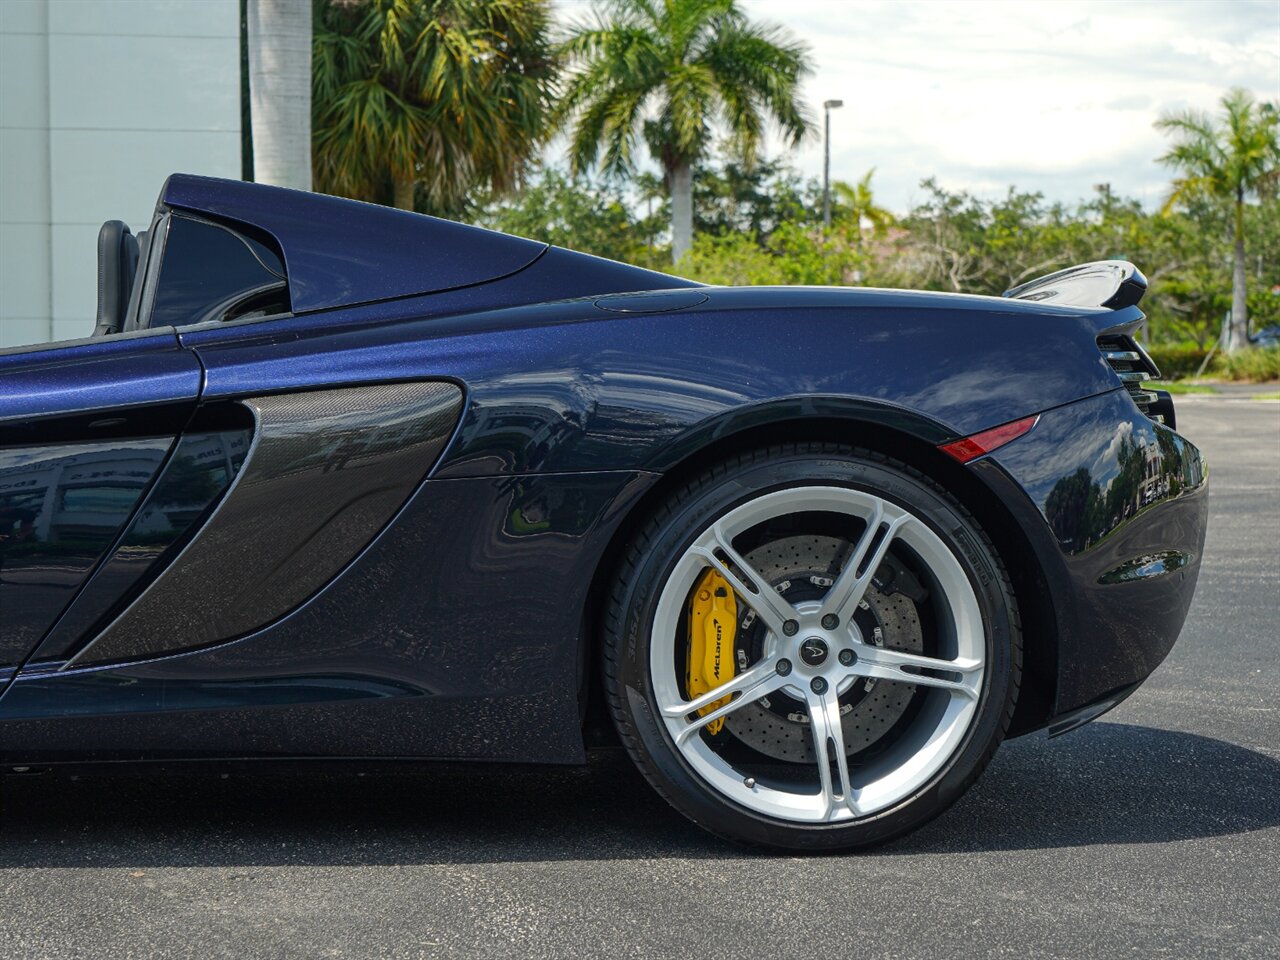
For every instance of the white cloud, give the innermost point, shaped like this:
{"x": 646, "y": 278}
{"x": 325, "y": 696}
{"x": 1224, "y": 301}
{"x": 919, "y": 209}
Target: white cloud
{"x": 1050, "y": 96}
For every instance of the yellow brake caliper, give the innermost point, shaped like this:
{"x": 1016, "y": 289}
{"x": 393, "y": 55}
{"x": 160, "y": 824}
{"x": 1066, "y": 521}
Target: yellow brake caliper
{"x": 713, "y": 625}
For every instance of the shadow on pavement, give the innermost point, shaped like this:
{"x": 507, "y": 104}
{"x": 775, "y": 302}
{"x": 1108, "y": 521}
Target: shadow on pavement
{"x": 1105, "y": 784}
{"x": 1108, "y": 783}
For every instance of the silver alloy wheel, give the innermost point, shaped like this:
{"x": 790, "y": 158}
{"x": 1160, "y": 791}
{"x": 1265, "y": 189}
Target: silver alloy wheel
{"x": 791, "y": 659}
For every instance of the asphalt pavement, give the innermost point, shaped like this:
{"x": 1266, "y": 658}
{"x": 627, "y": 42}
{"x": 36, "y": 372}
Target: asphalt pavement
{"x": 1154, "y": 832}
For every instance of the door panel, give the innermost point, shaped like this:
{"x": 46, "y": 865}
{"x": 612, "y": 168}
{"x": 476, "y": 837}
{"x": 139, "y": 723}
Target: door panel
{"x": 61, "y": 507}
{"x": 192, "y": 482}
{"x": 79, "y": 377}
{"x": 84, "y": 429}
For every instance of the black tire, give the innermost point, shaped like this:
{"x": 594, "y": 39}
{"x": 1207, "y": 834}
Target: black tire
{"x": 650, "y": 560}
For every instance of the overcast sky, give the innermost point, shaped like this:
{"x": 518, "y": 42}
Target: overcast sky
{"x": 1050, "y": 96}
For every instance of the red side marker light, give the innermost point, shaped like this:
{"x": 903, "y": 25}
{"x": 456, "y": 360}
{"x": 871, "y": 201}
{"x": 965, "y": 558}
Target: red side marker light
{"x": 970, "y": 448}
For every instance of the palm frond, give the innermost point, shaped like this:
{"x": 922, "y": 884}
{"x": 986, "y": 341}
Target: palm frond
{"x": 759, "y": 63}
{"x": 1226, "y": 158}
{"x": 451, "y": 93}
{"x": 701, "y": 62}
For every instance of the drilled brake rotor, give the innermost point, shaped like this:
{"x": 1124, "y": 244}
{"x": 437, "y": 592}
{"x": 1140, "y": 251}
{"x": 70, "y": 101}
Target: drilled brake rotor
{"x": 801, "y": 568}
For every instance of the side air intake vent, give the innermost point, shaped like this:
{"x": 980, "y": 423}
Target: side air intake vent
{"x": 1134, "y": 368}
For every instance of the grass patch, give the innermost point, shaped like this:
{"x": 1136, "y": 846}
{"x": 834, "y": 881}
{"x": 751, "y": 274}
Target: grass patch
{"x": 1179, "y": 387}
{"x": 1273, "y": 395}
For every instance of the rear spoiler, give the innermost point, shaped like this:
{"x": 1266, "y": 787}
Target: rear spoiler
{"x": 1114, "y": 284}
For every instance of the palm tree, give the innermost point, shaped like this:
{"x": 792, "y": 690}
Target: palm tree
{"x": 856, "y": 202}
{"x": 1229, "y": 159}
{"x": 670, "y": 70}
{"x": 429, "y": 99}
{"x": 278, "y": 37}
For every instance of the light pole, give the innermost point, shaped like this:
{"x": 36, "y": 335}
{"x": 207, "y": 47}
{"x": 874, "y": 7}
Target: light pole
{"x": 827, "y": 107}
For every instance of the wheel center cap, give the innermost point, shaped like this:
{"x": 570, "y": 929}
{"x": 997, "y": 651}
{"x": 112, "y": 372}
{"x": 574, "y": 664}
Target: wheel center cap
{"x": 813, "y": 651}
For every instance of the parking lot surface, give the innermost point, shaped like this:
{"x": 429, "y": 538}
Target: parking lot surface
{"x": 1154, "y": 832}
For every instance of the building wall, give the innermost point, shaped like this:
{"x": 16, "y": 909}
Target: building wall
{"x": 100, "y": 100}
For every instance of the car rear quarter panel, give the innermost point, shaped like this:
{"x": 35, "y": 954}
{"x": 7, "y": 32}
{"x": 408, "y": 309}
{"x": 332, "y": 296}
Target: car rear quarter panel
{"x": 571, "y": 387}
{"x": 1120, "y": 516}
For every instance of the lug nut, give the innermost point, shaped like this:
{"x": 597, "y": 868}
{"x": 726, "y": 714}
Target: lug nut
{"x": 818, "y": 685}
{"x": 784, "y": 667}
{"x": 830, "y": 622}
{"x": 790, "y": 628}
{"x": 847, "y": 657}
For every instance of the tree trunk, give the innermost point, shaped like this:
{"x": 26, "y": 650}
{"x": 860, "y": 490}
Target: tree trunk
{"x": 279, "y": 41}
{"x": 1239, "y": 303}
{"x": 681, "y": 209}
{"x": 403, "y": 191}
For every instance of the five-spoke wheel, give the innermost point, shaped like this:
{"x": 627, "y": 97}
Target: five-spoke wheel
{"x": 861, "y": 668}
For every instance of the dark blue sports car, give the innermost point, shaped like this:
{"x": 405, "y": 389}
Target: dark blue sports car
{"x": 335, "y": 481}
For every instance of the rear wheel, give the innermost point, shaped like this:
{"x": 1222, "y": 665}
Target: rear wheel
{"x": 811, "y": 647}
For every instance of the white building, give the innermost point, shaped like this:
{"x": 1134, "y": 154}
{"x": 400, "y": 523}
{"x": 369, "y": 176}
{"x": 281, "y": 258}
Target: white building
{"x": 100, "y": 100}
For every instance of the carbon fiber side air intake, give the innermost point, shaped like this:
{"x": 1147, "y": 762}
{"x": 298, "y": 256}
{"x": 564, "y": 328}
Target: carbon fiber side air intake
{"x": 326, "y": 471}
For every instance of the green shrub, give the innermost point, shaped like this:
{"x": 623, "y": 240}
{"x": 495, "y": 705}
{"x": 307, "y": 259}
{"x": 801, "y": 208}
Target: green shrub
{"x": 1253, "y": 364}
{"x": 731, "y": 260}
{"x": 1177, "y": 360}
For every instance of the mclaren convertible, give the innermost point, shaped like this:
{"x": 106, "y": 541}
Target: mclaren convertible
{"x": 334, "y": 481}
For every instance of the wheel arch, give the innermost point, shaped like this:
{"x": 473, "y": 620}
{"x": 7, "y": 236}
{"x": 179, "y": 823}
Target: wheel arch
{"x": 893, "y": 431}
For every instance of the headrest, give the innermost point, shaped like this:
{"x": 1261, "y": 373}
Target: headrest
{"x": 117, "y": 264}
